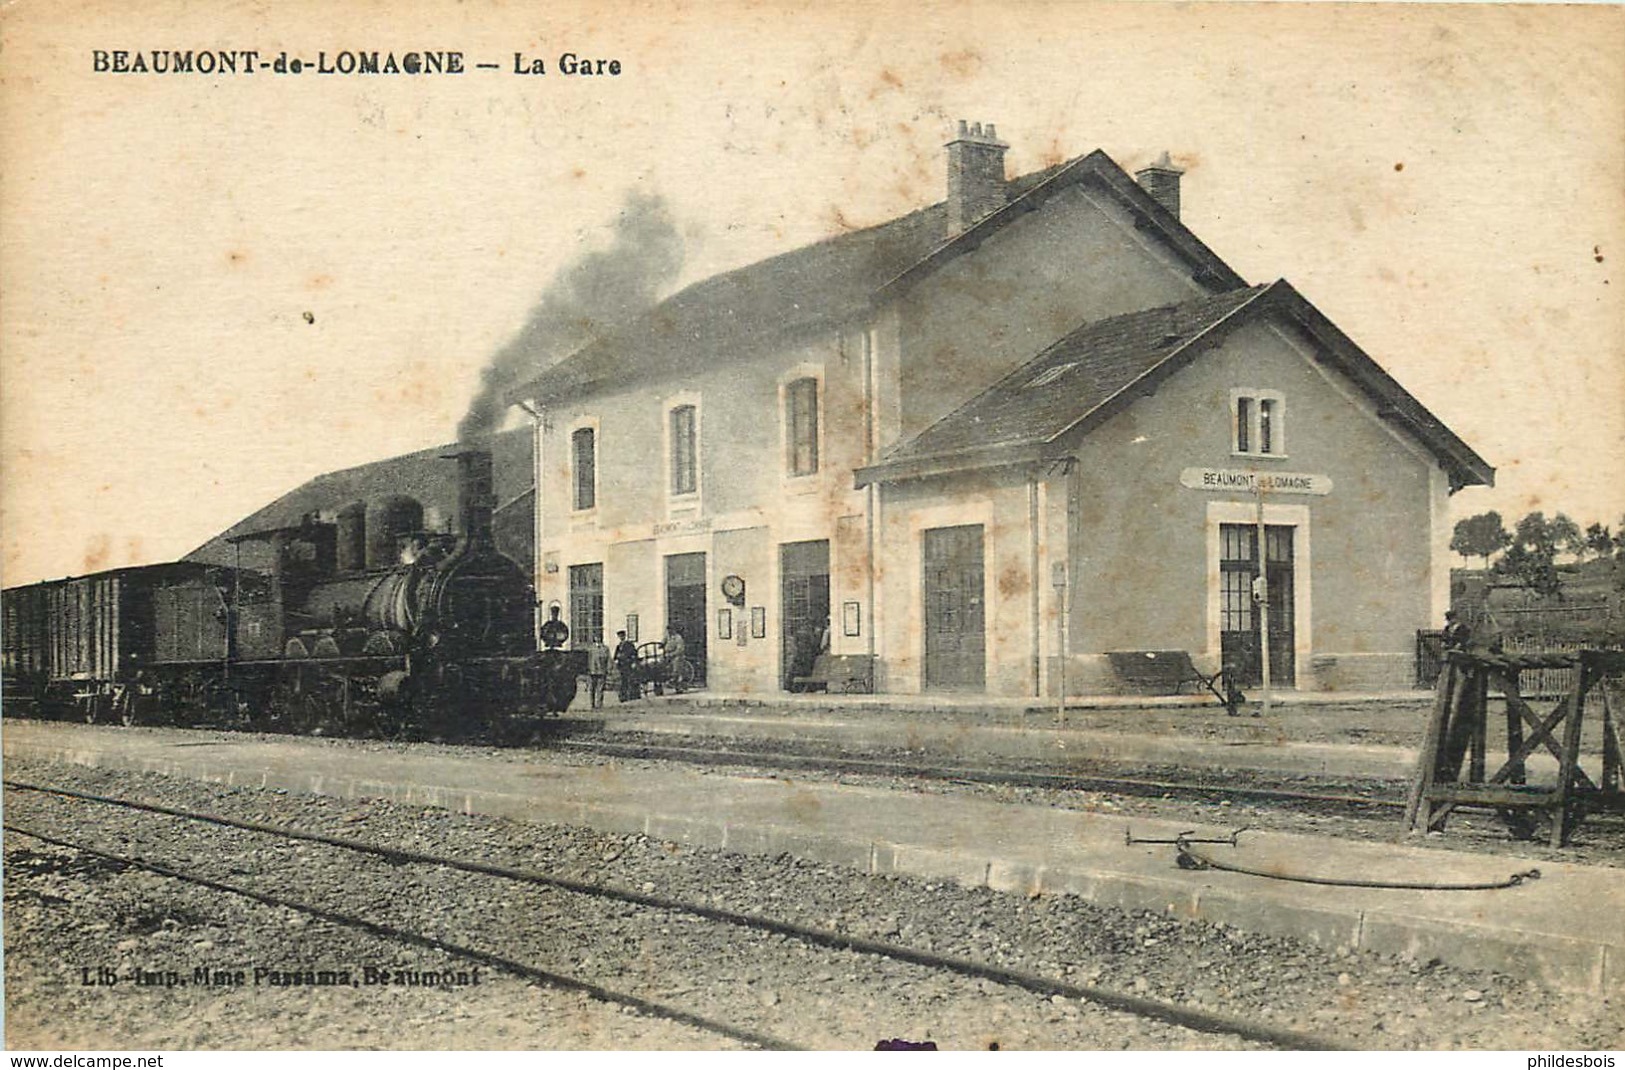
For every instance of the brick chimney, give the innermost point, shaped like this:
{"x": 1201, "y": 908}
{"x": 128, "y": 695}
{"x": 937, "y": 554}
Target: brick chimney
{"x": 1161, "y": 180}
{"x": 975, "y": 176}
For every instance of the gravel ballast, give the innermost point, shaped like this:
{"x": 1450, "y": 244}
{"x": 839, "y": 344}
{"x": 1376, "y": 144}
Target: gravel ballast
{"x": 66, "y": 914}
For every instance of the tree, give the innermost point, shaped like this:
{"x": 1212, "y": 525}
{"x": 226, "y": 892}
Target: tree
{"x": 1532, "y": 557}
{"x": 1480, "y": 536}
{"x": 1565, "y": 536}
{"x": 1619, "y": 556}
{"x": 1600, "y": 541}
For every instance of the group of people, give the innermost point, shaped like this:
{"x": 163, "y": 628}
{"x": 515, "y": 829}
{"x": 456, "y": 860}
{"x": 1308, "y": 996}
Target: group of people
{"x": 555, "y": 633}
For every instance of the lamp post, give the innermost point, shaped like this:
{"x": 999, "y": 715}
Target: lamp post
{"x": 1261, "y": 593}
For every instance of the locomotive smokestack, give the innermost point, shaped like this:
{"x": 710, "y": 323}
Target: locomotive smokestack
{"x": 476, "y": 495}
{"x": 352, "y": 537}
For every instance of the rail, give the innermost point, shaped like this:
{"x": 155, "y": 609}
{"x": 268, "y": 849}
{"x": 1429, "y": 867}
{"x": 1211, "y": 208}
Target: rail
{"x": 1159, "y": 1010}
{"x": 1028, "y": 778}
{"x": 433, "y": 943}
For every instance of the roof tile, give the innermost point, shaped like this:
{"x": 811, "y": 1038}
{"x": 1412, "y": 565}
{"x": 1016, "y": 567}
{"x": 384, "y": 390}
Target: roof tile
{"x": 1076, "y": 375}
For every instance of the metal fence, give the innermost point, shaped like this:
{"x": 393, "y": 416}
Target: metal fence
{"x": 1550, "y": 682}
{"x": 1533, "y": 682}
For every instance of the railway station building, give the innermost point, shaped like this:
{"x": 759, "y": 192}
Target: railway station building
{"x": 989, "y": 443}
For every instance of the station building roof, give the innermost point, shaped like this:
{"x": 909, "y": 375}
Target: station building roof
{"x": 740, "y": 312}
{"x": 1040, "y": 411}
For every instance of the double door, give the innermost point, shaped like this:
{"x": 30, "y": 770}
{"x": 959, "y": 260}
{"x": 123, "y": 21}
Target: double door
{"x": 1241, "y": 621}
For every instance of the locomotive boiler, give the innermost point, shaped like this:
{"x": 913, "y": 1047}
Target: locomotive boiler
{"x": 436, "y": 636}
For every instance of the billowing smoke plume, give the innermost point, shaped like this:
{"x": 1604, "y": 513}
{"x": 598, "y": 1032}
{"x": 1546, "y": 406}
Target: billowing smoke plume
{"x": 589, "y": 297}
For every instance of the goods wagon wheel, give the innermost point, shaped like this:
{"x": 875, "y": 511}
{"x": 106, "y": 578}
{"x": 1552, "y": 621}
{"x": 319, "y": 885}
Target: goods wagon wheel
{"x": 95, "y": 707}
{"x": 133, "y": 704}
{"x": 190, "y": 699}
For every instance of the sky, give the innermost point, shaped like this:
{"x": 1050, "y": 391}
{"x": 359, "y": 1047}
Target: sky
{"x": 215, "y": 287}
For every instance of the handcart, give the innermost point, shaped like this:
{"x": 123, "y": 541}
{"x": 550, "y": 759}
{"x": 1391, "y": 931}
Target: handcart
{"x": 657, "y": 671}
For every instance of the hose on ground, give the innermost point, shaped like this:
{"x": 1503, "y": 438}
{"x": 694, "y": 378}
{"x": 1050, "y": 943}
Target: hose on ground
{"x": 1189, "y": 859}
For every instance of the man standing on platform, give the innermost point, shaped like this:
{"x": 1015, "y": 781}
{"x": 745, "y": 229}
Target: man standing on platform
{"x": 597, "y": 671}
{"x": 626, "y": 663}
{"x": 555, "y": 633}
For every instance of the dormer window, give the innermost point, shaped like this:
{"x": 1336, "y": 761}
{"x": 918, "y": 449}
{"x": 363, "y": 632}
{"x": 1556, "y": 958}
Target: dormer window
{"x": 1257, "y": 421}
{"x": 1050, "y": 375}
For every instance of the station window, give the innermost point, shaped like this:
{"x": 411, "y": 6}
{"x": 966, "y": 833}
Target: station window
{"x": 1258, "y": 423}
{"x": 586, "y": 604}
{"x": 801, "y": 425}
{"x": 684, "y": 443}
{"x": 584, "y": 459}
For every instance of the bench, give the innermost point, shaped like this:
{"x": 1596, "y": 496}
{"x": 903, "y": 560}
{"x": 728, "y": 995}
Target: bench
{"x": 1163, "y": 670}
{"x": 847, "y": 673}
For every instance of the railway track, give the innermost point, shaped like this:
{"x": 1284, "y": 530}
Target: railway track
{"x": 774, "y": 759}
{"x": 1140, "y": 1006}
{"x": 416, "y": 939}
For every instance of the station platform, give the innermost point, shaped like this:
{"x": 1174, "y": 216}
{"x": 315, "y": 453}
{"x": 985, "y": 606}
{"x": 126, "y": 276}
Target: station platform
{"x": 950, "y": 702}
{"x": 1117, "y": 736}
{"x": 1542, "y": 930}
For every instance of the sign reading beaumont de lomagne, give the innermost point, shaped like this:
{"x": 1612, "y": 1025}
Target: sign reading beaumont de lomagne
{"x": 1238, "y": 480}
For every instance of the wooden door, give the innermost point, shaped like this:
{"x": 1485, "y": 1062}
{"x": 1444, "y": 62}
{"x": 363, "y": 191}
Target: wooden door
{"x": 955, "y": 628}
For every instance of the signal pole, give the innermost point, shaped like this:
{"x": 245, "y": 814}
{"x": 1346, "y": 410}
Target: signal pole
{"x": 1261, "y": 591}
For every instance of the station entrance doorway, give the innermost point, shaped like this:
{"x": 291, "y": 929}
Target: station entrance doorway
{"x": 955, "y": 626}
{"x": 1240, "y": 619}
{"x": 803, "y": 607}
{"x": 685, "y": 607}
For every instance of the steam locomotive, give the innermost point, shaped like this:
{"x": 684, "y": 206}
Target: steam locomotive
{"x": 363, "y": 625}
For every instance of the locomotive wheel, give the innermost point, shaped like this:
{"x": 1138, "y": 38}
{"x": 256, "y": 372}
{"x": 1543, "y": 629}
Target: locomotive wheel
{"x": 191, "y": 702}
{"x": 508, "y": 731}
{"x": 300, "y": 705}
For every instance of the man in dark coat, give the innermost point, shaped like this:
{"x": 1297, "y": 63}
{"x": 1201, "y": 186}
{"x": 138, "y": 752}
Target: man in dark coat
{"x": 626, "y": 663}
{"x": 555, "y": 633}
{"x": 1456, "y": 634}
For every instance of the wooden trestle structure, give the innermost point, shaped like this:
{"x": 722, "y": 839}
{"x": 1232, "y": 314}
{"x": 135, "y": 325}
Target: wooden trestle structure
{"x": 1457, "y": 736}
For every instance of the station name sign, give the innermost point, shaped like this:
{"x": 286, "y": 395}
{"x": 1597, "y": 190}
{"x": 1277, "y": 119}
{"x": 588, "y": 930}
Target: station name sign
{"x": 1239, "y": 481}
{"x": 683, "y": 527}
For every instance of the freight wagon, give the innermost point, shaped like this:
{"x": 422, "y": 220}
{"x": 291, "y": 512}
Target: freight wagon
{"x": 363, "y": 624}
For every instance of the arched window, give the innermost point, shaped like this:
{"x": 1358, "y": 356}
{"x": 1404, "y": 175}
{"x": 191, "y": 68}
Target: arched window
{"x": 801, "y": 426}
{"x": 584, "y": 457}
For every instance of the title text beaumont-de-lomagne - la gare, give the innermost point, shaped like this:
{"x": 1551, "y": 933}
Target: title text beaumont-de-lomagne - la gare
{"x": 248, "y": 61}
